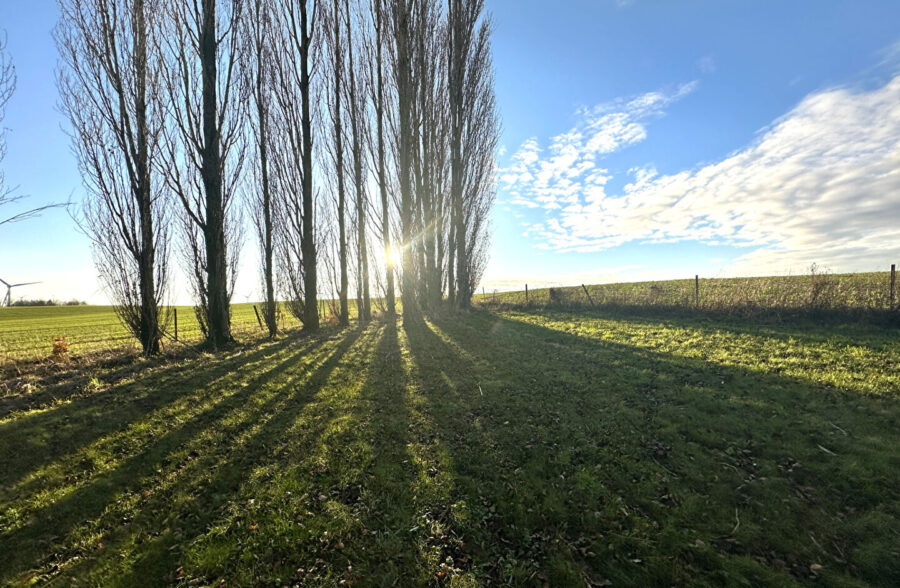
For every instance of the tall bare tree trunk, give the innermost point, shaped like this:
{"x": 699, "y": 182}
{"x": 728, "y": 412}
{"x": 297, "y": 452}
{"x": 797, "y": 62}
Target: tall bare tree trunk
{"x": 270, "y": 308}
{"x": 405, "y": 97}
{"x": 219, "y": 313}
{"x": 456, "y": 69}
{"x": 150, "y": 329}
{"x": 451, "y": 261}
{"x": 363, "y": 303}
{"x": 311, "y": 307}
{"x": 382, "y": 171}
{"x": 336, "y": 115}
{"x": 258, "y": 52}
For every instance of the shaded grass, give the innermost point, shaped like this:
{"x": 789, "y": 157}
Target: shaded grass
{"x": 506, "y": 448}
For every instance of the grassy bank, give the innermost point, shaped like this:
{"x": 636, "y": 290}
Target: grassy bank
{"x": 848, "y": 295}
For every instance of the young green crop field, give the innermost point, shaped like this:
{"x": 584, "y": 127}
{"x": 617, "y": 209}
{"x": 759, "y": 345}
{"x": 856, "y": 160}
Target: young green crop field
{"x": 27, "y": 333}
{"x": 514, "y": 448}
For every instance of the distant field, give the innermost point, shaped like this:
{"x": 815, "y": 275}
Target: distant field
{"x": 860, "y": 292}
{"x": 28, "y": 332}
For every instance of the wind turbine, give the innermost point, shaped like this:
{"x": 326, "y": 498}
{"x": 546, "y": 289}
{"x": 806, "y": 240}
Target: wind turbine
{"x": 9, "y": 287}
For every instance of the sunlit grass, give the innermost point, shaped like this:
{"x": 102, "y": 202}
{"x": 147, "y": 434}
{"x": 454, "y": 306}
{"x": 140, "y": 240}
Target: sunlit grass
{"x": 508, "y": 448}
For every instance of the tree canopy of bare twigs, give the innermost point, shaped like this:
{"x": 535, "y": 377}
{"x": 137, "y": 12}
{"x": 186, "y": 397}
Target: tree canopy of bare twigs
{"x": 7, "y": 88}
{"x": 292, "y": 158}
{"x": 109, "y": 85}
{"x": 204, "y": 147}
{"x": 258, "y": 55}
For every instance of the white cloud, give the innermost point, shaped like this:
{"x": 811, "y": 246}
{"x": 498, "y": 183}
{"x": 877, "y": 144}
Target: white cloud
{"x": 597, "y": 275}
{"x": 822, "y": 184}
{"x": 707, "y": 64}
{"x": 566, "y": 170}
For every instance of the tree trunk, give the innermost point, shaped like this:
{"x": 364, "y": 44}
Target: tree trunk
{"x": 344, "y": 318}
{"x": 455, "y": 79}
{"x": 308, "y": 244}
{"x": 451, "y": 262}
{"x": 382, "y": 172}
{"x": 218, "y": 313}
{"x": 363, "y": 304}
{"x": 404, "y": 107}
{"x": 149, "y": 327}
{"x": 269, "y": 310}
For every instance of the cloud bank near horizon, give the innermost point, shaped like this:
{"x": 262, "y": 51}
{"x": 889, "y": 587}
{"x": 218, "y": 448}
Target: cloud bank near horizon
{"x": 820, "y": 184}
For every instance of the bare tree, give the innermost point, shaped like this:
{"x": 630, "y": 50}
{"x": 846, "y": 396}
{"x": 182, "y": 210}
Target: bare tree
{"x": 336, "y": 50}
{"x": 379, "y": 100}
{"x": 109, "y": 85}
{"x": 401, "y": 29}
{"x": 356, "y": 104}
{"x": 462, "y": 18}
{"x": 481, "y": 134}
{"x": 430, "y": 154}
{"x": 258, "y": 56}
{"x": 293, "y": 158}
{"x": 204, "y": 152}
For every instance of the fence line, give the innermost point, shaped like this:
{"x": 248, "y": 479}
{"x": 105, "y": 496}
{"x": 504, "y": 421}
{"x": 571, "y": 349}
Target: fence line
{"x": 873, "y": 291}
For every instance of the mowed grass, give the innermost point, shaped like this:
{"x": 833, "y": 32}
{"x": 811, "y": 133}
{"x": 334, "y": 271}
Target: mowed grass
{"x": 27, "y": 333}
{"x": 515, "y": 448}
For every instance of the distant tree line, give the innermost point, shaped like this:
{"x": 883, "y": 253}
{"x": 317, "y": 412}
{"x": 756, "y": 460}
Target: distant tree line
{"x": 356, "y": 138}
{"x": 47, "y": 302}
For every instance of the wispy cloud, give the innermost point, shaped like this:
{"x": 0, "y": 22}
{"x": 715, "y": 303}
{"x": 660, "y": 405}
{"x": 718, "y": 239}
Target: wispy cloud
{"x": 566, "y": 171}
{"x": 707, "y": 64}
{"x": 822, "y": 183}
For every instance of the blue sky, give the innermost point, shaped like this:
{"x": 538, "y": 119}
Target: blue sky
{"x": 641, "y": 139}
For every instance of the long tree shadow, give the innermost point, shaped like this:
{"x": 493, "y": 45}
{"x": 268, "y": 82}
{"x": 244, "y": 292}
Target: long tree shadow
{"x": 291, "y": 463}
{"x": 181, "y": 459}
{"x": 411, "y": 474}
{"x": 603, "y": 461}
{"x": 61, "y": 431}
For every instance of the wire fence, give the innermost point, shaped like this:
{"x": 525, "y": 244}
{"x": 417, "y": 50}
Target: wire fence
{"x": 859, "y": 294}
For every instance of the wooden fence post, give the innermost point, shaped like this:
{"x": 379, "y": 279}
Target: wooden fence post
{"x": 697, "y": 290}
{"x": 526, "y": 294}
{"x": 258, "y": 320}
{"x": 588, "y": 295}
{"x": 176, "y": 323}
{"x": 893, "y": 283}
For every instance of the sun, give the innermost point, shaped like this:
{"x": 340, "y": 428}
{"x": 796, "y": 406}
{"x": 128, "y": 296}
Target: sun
{"x": 394, "y": 256}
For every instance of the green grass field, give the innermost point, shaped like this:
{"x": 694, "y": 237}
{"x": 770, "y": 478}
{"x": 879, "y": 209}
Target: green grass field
{"x": 27, "y": 333}
{"x": 856, "y": 293}
{"x": 511, "y": 447}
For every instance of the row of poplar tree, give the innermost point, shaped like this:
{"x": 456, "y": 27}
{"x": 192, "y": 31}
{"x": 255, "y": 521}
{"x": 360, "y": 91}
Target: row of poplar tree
{"x": 352, "y": 140}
